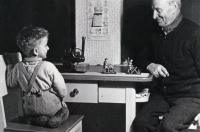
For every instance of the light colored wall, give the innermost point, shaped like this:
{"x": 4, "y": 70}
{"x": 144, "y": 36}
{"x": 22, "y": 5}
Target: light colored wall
{"x": 97, "y": 51}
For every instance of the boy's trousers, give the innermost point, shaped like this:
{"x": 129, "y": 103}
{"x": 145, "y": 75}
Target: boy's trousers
{"x": 44, "y": 104}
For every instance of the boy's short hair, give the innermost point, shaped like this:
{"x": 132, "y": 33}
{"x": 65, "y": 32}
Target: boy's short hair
{"x": 28, "y": 37}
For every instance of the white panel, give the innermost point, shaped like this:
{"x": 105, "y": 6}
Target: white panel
{"x": 112, "y": 95}
{"x": 193, "y": 127}
{"x": 3, "y": 87}
{"x": 96, "y": 51}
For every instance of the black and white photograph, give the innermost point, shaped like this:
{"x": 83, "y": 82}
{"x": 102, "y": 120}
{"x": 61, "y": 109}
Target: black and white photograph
{"x": 99, "y": 65}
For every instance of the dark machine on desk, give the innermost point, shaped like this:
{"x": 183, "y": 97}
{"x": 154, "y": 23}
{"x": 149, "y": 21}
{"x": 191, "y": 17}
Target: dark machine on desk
{"x": 74, "y": 58}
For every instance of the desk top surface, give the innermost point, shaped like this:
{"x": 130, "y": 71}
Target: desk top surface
{"x": 95, "y": 74}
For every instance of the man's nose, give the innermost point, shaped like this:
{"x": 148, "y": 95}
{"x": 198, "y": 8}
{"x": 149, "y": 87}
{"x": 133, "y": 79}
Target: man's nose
{"x": 47, "y": 47}
{"x": 155, "y": 14}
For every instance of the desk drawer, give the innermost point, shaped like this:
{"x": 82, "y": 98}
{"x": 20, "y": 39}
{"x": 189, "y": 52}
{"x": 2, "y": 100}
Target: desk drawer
{"x": 112, "y": 92}
{"x": 85, "y": 92}
{"x": 112, "y": 95}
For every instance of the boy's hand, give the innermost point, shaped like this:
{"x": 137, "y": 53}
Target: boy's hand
{"x": 12, "y": 58}
{"x": 61, "y": 99}
{"x": 63, "y": 104}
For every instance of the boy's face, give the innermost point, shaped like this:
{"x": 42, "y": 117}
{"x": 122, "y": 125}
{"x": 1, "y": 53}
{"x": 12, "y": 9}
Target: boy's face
{"x": 42, "y": 47}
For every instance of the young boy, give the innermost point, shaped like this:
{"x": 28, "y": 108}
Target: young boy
{"x": 42, "y": 85}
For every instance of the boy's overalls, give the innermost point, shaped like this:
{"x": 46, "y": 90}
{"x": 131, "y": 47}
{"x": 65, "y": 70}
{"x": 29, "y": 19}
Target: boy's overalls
{"x": 39, "y": 102}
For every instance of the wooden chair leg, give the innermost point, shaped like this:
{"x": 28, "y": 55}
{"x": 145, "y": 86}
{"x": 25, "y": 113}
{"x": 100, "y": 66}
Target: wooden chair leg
{"x": 2, "y": 116}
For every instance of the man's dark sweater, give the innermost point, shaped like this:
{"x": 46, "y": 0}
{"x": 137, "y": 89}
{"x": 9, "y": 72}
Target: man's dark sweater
{"x": 179, "y": 53}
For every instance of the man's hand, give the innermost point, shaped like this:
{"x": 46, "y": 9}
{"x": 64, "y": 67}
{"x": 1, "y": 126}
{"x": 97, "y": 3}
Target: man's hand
{"x": 197, "y": 118}
{"x": 157, "y": 70}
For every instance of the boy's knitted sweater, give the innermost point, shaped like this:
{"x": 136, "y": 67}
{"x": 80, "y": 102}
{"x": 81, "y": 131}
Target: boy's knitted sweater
{"x": 47, "y": 77}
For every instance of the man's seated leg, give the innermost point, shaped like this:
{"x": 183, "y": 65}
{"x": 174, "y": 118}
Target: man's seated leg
{"x": 180, "y": 115}
{"x": 147, "y": 118}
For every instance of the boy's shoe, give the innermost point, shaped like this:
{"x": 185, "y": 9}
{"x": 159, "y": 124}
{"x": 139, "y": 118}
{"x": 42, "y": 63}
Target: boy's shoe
{"x": 60, "y": 117}
{"x": 143, "y": 96}
{"x": 39, "y": 121}
{"x": 65, "y": 118}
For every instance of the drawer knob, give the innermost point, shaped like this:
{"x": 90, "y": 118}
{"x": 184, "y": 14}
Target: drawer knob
{"x": 74, "y": 93}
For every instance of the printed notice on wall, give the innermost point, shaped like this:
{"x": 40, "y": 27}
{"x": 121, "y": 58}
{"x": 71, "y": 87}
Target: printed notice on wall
{"x": 98, "y": 19}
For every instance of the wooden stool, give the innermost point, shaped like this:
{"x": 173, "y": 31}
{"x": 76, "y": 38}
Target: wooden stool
{"x": 73, "y": 124}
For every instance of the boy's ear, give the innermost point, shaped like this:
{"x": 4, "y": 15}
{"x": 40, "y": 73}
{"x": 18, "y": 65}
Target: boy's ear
{"x": 35, "y": 51}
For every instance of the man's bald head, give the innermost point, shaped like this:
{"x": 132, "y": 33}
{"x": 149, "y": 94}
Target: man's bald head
{"x": 165, "y": 11}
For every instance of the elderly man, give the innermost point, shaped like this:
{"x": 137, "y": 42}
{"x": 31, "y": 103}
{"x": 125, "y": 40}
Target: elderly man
{"x": 173, "y": 58}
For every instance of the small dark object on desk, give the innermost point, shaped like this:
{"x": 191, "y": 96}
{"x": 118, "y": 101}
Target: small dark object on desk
{"x": 131, "y": 68}
{"x": 108, "y": 68}
{"x": 72, "y": 60}
{"x": 81, "y": 67}
{"x": 111, "y": 72}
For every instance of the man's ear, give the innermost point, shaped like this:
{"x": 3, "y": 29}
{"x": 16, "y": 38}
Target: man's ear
{"x": 35, "y": 51}
{"x": 175, "y": 6}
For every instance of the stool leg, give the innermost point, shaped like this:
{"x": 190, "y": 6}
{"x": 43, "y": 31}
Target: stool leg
{"x": 77, "y": 128}
{"x": 2, "y": 116}
{"x": 130, "y": 107}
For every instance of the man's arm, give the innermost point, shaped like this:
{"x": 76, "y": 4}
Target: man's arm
{"x": 145, "y": 61}
{"x": 195, "y": 51}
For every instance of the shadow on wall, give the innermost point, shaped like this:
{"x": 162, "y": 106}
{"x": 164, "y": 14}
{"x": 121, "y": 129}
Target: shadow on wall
{"x": 57, "y": 16}
{"x": 137, "y": 26}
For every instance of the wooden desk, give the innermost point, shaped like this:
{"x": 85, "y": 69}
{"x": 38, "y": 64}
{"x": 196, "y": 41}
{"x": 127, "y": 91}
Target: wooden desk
{"x": 94, "y": 87}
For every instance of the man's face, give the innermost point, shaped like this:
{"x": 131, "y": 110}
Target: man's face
{"x": 163, "y": 13}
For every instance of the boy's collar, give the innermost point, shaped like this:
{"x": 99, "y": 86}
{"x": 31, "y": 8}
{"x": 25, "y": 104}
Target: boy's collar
{"x": 173, "y": 25}
{"x": 29, "y": 59}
